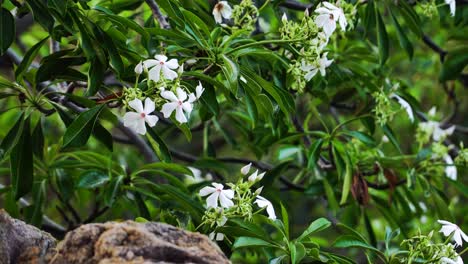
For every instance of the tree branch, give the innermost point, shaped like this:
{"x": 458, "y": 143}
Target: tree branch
{"x": 157, "y": 14}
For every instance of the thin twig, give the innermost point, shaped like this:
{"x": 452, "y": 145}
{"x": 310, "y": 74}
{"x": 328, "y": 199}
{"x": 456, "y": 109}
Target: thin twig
{"x": 157, "y": 14}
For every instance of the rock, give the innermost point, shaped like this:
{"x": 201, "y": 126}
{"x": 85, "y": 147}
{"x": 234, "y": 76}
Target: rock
{"x": 22, "y": 243}
{"x": 131, "y": 242}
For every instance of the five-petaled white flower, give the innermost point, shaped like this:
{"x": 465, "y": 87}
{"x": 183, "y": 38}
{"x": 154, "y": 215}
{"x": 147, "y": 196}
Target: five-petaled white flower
{"x": 161, "y": 64}
{"x": 449, "y": 228}
{"x": 320, "y": 65}
{"x": 136, "y": 120}
{"x": 178, "y": 104}
{"x": 405, "y": 105}
{"x": 328, "y": 16}
{"x": 452, "y": 5}
{"x": 262, "y": 203}
{"x": 217, "y": 193}
{"x": 438, "y": 133}
{"x": 222, "y": 10}
{"x": 450, "y": 169}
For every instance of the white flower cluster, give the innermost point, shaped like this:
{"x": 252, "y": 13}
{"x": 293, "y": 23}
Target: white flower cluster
{"x": 317, "y": 31}
{"x": 159, "y": 71}
{"x": 222, "y": 204}
{"x": 431, "y": 129}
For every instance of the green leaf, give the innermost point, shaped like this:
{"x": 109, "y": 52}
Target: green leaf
{"x": 21, "y": 163}
{"x": 41, "y": 14}
{"x": 95, "y": 76}
{"x": 382, "y": 37}
{"x": 59, "y": 5}
{"x": 347, "y": 241}
{"x": 33, "y": 213}
{"x": 363, "y": 137}
{"x": 231, "y": 73}
{"x": 7, "y": 30}
{"x": 251, "y": 242}
{"x": 11, "y": 138}
{"x": 92, "y": 179}
{"x": 454, "y": 64}
{"x": 80, "y": 130}
{"x": 402, "y": 38}
{"x": 38, "y": 140}
{"x": 166, "y": 166}
{"x": 28, "y": 58}
{"x": 330, "y": 195}
{"x": 159, "y": 146}
{"x": 104, "y": 136}
{"x": 109, "y": 45}
{"x": 112, "y": 189}
{"x": 316, "y": 226}
{"x": 391, "y": 136}
{"x": 314, "y": 153}
{"x": 411, "y": 18}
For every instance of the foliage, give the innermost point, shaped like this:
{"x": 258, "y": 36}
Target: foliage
{"x": 349, "y": 112}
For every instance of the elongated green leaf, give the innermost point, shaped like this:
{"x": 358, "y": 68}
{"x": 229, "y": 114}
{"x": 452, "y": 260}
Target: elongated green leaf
{"x": 391, "y": 136}
{"x": 166, "y": 166}
{"x": 28, "y": 58}
{"x": 108, "y": 44}
{"x": 34, "y": 212}
{"x": 12, "y": 136}
{"x": 411, "y": 18}
{"x": 402, "y": 38}
{"x": 251, "y": 242}
{"x": 80, "y": 130}
{"x": 41, "y": 14}
{"x": 7, "y": 30}
{"x": 59, "y": 5}
{"x": 346, "y": 241}
{"x": 314, "y": 153}
{"x": 316, "y": 226}
{"x": 363, "y": 137}
{"x": 38, "y": 140}
{"x": 104, "y": 136}
{"x": 231, "y": 73}
{"x": 454, "y": 64}
{"x": 95, "y": 76}
{"x": 112, "y": 189}
{"x": 159, "y": 146}
{"x": 21, "y": 163}
{"x": 92, "y": 179}
{"x": 382, "y": 37}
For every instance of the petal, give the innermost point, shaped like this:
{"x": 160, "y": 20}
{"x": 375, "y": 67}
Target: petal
{"x": 311, "y": 74}
{"x": 169, "y": 95}
{"x": 149, "y": 106}
{"x": 219, "y": 237}
{"x": 225, "y": 201}
{"x": 137, "y": 105}
{"x": 343, "y": 22}
{"x": 168, "y": 73}
{"x": 329, "y": 27}
{"x": 212, "y": 200}
{"x": 150, "y": 63}
{"x": 271, "y": 212}
{"x": 172, "y": 64}
{"x": 322, "y": 71}
{"x": 244, "y": 170}
{"x": 323, "y": 11}
{"x": 154, "y": 73}
{"x": 130, "y": 119}
{"x": 217, "y": 16}
{"x": 226, "y": 11}
{"x": 191, "y": 98}
{"x": 447, "y": 230}
{"x": 140, "y": 126}
{"x": 211, "y": 236}
{"x": 329, "y": 5}
{"x": 217, "y": 185}
{"x": 206, "y": 190}
{"x": 181, "y": 94}
{"x": 161, "y": 57}
{"x": 151, "y": 120}
{"x": 229, "y": 193}
{"x": 187, "y": 107}
{"x": 464, "y": 236}
{"x": 457, "y": 238}
{"x": 443, "y": 222}
{"x": 321, "y": 20}
{"x": 199, "y": 90}
{"x": 180, "y": 117}
{"x": 168, "y": 108}
{"x": 139, "y": 68}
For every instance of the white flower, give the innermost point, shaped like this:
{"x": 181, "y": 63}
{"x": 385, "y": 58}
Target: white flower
{"x": 328, "y": 16}
{"x": 405, "y": 105}
{"x": 452, "y": 5}
{"x": 199, "y": 90}
{"x": 256, "y": 177}
{"x": 161, "y": 64}
{"x": 262, "y": 203}
{"x": 320, "y": 41}
{"x": 139, "y": 68}
{"x": 445, "y": 260}
{"x": 217, "y": 193}
{"x": 220, "y": 10}
{"x": 136, "y": 120}
{"x": 312, "y": 69}
{"x": 245, "y": 170}
{"x": 178, "y": 104}
{"x": 433, "y": 127}
{"x": 197, "y": 176}
{"x": 451, "y": 170}
{"x": 449, "y": 228}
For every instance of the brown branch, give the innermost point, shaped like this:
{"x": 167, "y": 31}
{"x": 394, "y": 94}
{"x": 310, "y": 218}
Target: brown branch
{"x": 157, "y": 14}
{"x": 431, "y": 44}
